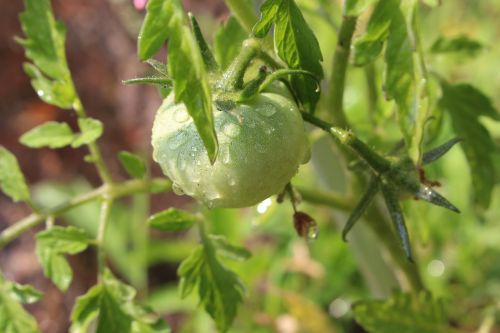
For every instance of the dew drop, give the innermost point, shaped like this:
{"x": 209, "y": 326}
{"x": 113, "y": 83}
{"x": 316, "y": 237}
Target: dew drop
{"x": 312, "y": 232}
{"x": 40, "y": 93}
{"x": 232, "y": 181}
{"x": 267, "y": 110}
{"x": 180, "y": 115}
{"x": 231, "y": 130}
{"x": 178, "y": 140}
{"x": 181, "y": 162}
{"x": 225, "y": 156}
{"x": 177, "y": 189}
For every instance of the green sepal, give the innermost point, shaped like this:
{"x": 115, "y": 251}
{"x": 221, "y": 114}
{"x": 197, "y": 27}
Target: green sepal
{"x": 397, "y": 217}
{"x": 363, "y": 204}
{"x": 439, "y": 151}
{"x": 428, "y": 194}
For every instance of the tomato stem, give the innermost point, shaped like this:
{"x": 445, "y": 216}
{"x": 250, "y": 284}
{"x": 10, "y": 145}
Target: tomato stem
{"x": 232, "y": 79}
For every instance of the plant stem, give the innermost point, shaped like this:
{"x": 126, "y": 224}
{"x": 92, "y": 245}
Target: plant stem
{"x": 95, "y": 152}
{"x": 339, "y": 69}
{"x": 333, "y": 200}
{"x": 116, "y": 191}
{"x": 101, "y": 233}
{"x": 232, "y": 79}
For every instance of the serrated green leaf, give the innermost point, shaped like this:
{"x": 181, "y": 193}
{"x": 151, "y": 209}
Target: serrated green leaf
{"x": 90, "y": 130}
{"x": 25, "y": 294}
{"x": 13, "y": 317}
{"x": 112, "y": 304}
{"x": 51, "y": 134}
{"x": 219, "y": 289}
{"x": 465, "y": 104}
{"x": 400, "y": 76}
{"x": 356, "y": 7}
{"x": 403, "y": 313}
{"x": 228, "y": 250}
{"x": 172, "y": 219}
{"x": 12, "y": 180}
{"x": 133, "y": 164}
{"x": 296, "y": 44}
{"x": 50, "y": 247}
{"x": 166, "y": 20}
{"x": 369, "y": 46}
{"x": 460, "y": 44}
{"x": 44, "y": 46}
{"x": 85, "y": 310}
{"x": 227, "y": 42}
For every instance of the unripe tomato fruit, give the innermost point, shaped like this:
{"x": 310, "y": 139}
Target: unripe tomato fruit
{"x": 261, "y": 145}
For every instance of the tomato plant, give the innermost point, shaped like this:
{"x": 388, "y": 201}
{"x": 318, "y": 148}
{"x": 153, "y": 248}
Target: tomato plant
{"x": 334, "y": 155}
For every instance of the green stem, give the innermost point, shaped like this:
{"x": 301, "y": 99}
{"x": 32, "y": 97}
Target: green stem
{"x": 232, "y": 79}
{"x": 339, "y": 70}
{"x": 333, "y": 200}
{"x": 372, "y": 91}
{"x": 95, "y": 152}
{"x": 116, "y": 191}
{"x": 101, "y": 233}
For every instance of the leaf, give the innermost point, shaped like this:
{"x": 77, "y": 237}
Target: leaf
{"x": 206, "y": 54}
{"x": 227, "y": 42}
{"x": 52, "y": 244}
{"x": 461, "y": 44}
{"x": 112, "y": 304}
{"x": 44, "y": 46}
{"x": 165, "y": 20}
{"x": 51, "y": 134}
{"x": 369, "y": 46}
{"x": 172, "y": 220}
{"x": 296, "y": 45}
{"x": 133, "y": 164}
{"x": 219, "y": 289}
{"x": 25, "y": 294}
{"x": 13, "y": 317}
{"x": 229, "y": 250}
{"x": 407, "y": 313}
{"x": 465, "y": 104}
{"x": 90, "y": 130}
{"x": 356, "y": 7}
{"x": 12, "y": 179}
{"x": 400, "y": 76}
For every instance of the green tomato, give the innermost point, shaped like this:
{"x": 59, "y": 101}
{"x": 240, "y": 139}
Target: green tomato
{"x": 261, "y": 145}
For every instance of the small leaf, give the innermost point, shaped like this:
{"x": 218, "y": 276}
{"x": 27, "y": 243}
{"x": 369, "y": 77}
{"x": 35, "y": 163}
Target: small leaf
{"x": 296, "y": 44}
{"x": 133, "y": 164}
{"x": 25, "y": 294}
{"x": 12, "y": 180}
{"x": 111, "y": 302}
{"x": 461, "y": 44}
{"x": 85, "y": 310}
{"x": 369, "y": 46}
{"x": 50, "y": 134}
{"x": 417, "y": 313}
{"x": 159, "y": 67}
{"x": 172, "y": 220}
{"x": 166, "y": 20}
{"x": 428, "y": 194}
{"x": 13, "y": 317}
{"x": 90, "y": 130}
{"x": 363, "y": 204}
{"x": 465, "y": 104}
{"x": 228, "y": 250}
{"x": 398, "y": 219}
{"x": 50, "y": 247}
{"x": 227, "y": 42}
{"x": 44, "y": 46}
{"x": 219, "y": 289}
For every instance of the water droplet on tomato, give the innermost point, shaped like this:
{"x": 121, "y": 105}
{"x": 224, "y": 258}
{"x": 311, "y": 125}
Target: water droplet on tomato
{"x": 180, "y": 115}
{"x": 225, "y": 156}
{"x": 178, "y": 140}
{"x": 177, "y": 189}
{"x": 231, "y": 130}
{"x": 232, "y": 181}
{"x": 267, "y": 110}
